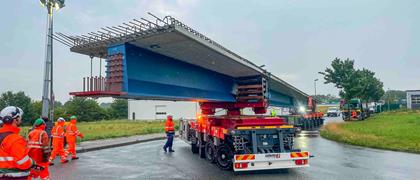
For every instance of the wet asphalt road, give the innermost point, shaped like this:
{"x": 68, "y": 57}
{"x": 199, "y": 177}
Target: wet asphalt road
{"x": 148, "y": 161}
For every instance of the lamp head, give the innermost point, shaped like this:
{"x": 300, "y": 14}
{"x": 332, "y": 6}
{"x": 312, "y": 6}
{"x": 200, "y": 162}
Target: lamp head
{"x": 52, "y": 4}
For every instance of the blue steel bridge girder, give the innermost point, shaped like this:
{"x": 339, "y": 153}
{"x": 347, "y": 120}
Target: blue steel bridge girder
{"x": 148, "y": 75}
{"x": 168, "y": 60}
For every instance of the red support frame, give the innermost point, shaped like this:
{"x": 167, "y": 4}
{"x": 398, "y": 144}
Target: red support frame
{"x": 233, "y": 108}
{"x": 96, "y": 94}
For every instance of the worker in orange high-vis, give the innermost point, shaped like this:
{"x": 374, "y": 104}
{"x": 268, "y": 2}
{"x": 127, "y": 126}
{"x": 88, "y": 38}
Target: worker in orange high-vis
{"x": 57, "y": 134}
{"x": 14, "y": 160}
{"x": 354, "y": 114}
{"x": 170, "y": 133}
{"x": 39, "y": 149}
{"x": 71, "y": 135}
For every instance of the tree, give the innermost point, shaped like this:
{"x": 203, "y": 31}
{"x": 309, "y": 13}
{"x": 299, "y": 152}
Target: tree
{"x": 343, "y": 75}
{"x": 372, "y": 88}
{"x": 59, "y": 110}
{"x": 118, "y": 109}
{"x": 329, "y": 98}
{"x": 394, "y": 95}
{"x": 19, "y": 99}
{"x": 85, "y": 109}
{"x": 353, "y": 83}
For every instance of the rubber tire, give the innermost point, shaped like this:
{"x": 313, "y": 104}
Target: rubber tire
{"x": 194, "y": 148}
{"x": 210, "y": 151}
{"x": 201, "y": 150}
{"x": 224, "y": 157}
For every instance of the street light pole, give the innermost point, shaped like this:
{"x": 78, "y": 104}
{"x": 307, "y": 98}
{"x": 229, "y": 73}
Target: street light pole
{"x": 48, "y": 94}
{"x": 48, "y": 64}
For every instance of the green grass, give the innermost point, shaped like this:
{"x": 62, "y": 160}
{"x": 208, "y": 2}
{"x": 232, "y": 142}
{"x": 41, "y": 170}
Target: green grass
{"x": 116, "y": 128}
{"x": 395, "y": 130}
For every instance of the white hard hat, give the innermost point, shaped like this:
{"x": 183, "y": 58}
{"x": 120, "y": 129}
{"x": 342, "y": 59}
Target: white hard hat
{"x": 60, "y": 119}
{"x": 9, "y": 113}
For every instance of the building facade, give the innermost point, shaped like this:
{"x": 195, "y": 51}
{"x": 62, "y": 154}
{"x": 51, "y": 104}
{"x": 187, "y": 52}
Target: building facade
{"x": 158, "y": 110}
{"x": 413, "y": 99}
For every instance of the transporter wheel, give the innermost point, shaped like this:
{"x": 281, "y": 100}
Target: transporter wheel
{"x": 210, "y": 150}
{"x": 201, "y": 149}
{"x": 224, "y": 157}
{"x": 194, "y": 148}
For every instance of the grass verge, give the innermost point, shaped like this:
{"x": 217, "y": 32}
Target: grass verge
{"x": 395, "y": 130}
{"x": 116, "y": 128}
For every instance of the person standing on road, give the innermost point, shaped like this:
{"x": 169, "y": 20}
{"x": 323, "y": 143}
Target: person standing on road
{"x": 14, "y": 160}
{"x": 39, "y": 149}
{"x": 170, "y": 133}
{"x": 71, "y": 135}
{"x": 57, "y": 134}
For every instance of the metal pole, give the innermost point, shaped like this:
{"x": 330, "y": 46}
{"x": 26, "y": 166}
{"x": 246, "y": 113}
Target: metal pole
{"x": 100, "y": 67}
{"x": 84, "y": 84}
{"x": 91, "y": 66}
{"x": 48, "y": 63}
{"x": 52, "y": 98}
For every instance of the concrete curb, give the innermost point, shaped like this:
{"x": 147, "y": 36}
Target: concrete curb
{"x": 117, "y": 144}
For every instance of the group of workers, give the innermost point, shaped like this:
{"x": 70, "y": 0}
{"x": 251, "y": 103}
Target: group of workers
{"x": 30, "y": 158}
{"x": 27, "y": 159}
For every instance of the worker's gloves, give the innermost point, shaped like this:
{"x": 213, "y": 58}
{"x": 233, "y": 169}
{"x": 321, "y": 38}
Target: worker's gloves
{"x": 81, "y": 135}
{"x": 37, "y": 168}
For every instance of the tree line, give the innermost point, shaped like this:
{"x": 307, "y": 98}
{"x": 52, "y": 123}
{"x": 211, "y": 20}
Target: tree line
{"x": 85, "y": 109}
{"x": 353, "y": 83}
{"x": 327, "y": 99}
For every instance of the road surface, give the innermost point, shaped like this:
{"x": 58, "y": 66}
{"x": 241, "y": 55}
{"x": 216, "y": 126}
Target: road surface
{"x": 148, "y": 161}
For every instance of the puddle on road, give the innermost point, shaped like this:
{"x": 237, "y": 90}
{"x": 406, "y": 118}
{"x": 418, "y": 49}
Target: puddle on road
{"x": 308, "y": 134}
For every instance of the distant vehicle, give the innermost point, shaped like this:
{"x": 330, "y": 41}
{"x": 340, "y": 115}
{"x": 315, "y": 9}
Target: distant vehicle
{"x": 372, "y": 109}
{"x": 354, "y": 110}
{"x": 333, "y": 112}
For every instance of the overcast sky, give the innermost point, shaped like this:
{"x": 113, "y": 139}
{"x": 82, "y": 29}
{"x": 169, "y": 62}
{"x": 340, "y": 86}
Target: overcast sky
{"x": 295, "y": 39}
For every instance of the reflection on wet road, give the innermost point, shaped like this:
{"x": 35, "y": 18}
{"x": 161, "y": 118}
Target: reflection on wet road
{"x": 148, "y": 161}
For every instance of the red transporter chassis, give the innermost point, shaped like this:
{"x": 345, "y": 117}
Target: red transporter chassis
{"x": 219, "y": 126}
{"x": 219, "y": 138}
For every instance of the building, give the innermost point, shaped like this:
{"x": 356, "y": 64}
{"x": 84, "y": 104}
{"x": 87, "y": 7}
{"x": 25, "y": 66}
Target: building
{"x": 413, "y": 99}
{"x": 154, "y": 110}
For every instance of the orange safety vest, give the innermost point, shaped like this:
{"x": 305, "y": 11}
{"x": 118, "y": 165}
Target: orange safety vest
{"x": 71, "y": 130}
{"x": 38, "y": 139}
{"x": 57, "y": 131}
{"x": 38, "y": 145}
{"x": 13, "y": 151}
{"x": 169, "y": 126}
